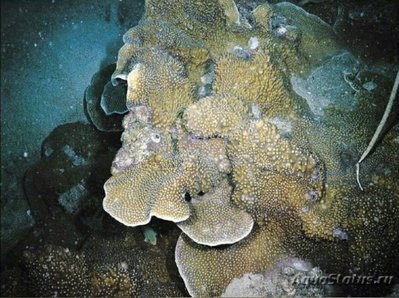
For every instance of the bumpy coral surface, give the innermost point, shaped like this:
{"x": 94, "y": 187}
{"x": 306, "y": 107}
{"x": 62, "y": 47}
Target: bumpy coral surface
{"x": 255, "y": 253}
{"x": 119, "y": 265}
{"x": 54, "y": 271}
{"x": 215, "y": 220}
{"x": 219, "y": 140}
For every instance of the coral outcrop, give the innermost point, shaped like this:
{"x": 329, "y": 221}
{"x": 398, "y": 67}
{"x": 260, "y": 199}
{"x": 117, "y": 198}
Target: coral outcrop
{"x": 225, "y": 138}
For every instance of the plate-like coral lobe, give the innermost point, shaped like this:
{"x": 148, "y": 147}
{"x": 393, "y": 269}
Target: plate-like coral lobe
{"x": 131, "y": 195}
{"x": 215, "y": 220}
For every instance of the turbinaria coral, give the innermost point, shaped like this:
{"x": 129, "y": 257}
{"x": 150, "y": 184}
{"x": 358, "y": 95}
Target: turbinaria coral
{"x": 231, "y": 152}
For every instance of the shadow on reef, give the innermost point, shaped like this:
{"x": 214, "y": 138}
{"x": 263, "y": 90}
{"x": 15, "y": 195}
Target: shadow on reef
{"x": 66, "y": 182}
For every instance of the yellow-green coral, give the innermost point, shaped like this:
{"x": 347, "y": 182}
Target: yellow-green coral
{"x": 254, "y": 80}
{"x": 207, "y": 21}
{"x": 259, "y": 145}
{"x": 192, "y": 53}
{"x": 214, "y": 149}
{"x": 373, "y": 225}
{"x": 157, "y": 187}
{"x": 318, "y": 39}
{"x": 139, "y": 140}
{"x": 200, "y": 172}
{"x": 271, "y": 175}
{"x": 326, "y": 219}
{"x": 162, "y": 86}
{"x": 215, "y": 116}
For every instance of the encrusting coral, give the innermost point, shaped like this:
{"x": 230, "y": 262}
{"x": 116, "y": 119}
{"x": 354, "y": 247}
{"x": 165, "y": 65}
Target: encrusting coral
{"x": 107, "y": 265}
{"x": 162, "y": 86}
{"x": 53, "y": 271}
{"x": 217, "y": 141}
{"x": 215, "y": 116}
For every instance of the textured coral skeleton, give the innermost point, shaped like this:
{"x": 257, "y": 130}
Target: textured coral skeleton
{"x": 217, "y": 141}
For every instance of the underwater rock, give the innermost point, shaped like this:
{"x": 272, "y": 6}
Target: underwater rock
{"x": 369, "y": 29}
{"x": 93, "y": 98}
{"x": 11, "y": 284}
{"x": 72, "y": 199}
{"x": 328, "y": 85}
{"x": 150, "y": 235}
{"x": 16, "y": 221}
{"x": 76, "y": 159}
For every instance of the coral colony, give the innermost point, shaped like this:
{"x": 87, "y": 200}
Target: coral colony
{"x": 218, "y": 141}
